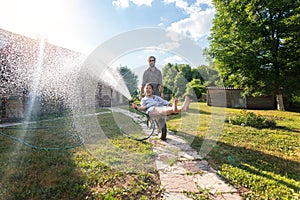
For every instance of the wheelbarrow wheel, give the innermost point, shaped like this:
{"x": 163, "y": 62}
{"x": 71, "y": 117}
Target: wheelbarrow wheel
{"x": 164, "y": 132}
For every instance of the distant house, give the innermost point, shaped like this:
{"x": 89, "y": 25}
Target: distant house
{"x": 225, "y": 97}
{"x": 233, "y": 98}
{"x": 19, "y": 58}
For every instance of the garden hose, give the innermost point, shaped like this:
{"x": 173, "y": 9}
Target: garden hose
{"x": 75, "y": 136}
{"x": 149, "y": 119}
{"x": 81, "y": 139}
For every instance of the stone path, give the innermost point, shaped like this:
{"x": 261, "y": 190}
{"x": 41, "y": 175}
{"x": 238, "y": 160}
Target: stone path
{"x": 182, "y": 170}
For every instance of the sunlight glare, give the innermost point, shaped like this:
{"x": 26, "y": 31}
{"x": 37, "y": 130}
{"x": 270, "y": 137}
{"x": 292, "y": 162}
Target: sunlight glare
{"x": 41, "y": 17}
{"x": 34, "y": 18}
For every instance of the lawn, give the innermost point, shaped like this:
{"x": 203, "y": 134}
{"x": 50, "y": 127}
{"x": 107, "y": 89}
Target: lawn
{"x": 53, "y": 172}
{"x": 261, "y": 163}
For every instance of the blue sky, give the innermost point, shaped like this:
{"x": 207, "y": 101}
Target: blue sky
{"x": 83, "y": 25}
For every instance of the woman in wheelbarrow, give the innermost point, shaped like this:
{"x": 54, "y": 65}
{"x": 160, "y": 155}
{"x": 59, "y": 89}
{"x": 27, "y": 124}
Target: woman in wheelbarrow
{"x": 153, "y": 104}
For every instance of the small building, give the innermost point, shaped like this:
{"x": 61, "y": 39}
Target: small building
{"x": 225, "y": 97}
{"x": 233, "y": 98}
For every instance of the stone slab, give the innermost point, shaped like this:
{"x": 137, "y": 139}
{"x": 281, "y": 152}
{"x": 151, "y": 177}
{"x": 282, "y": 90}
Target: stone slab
{"x": 213, "y": 183}
{"x": 177, "y": 182}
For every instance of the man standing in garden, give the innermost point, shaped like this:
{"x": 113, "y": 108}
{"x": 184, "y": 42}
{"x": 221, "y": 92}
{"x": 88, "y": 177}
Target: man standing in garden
{"x": 154, "y": 76}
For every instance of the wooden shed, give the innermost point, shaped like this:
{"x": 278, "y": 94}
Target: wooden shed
{"x": 233, "y": 98}
{"x": 225, "y": 97}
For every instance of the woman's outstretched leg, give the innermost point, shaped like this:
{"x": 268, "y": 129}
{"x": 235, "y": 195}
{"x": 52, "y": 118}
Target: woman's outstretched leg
{"x": 186, "y": 103}
{"x": 175, "y": 109}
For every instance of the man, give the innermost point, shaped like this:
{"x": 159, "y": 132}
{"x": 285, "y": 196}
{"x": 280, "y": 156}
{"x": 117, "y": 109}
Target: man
{"x": 152, "y": 75}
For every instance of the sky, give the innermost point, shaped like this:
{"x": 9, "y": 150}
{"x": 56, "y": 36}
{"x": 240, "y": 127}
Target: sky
{"x": 84, "y": 25}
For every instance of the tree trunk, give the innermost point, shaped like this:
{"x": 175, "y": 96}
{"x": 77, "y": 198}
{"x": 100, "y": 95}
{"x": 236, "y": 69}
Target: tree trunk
{"x": 279, "y": 100}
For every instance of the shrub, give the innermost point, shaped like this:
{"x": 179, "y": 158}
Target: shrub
{"x": 246, "y": 118}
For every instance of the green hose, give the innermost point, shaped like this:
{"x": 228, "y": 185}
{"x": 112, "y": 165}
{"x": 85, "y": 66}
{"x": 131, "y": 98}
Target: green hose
{"x": 149, "y": 119}
{"x": 81, "y": 139}
{"x": 75, "y": 136}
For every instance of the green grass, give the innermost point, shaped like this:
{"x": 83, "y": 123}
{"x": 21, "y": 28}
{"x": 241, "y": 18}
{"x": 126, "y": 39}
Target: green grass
{"x": 76, "y": 173}
{"x": 261, "y": 163}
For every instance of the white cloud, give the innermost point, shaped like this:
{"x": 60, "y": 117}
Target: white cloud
{"x": 125, "y": 3}
{"x": 178, "y": 3}
{"x": 121, "y": 3}
{"x": 207, "y": 2}
{"x": 163, "y": 20}
{"x": 142, "y": 2}
{"x": 174, "y": 59}
{"x": 169, "y": 45}
{"x": 184, "y": 4}
{"x": 199, "y": 21}
{"x": 189, "y": 9}
{"x": 197, "y": 25}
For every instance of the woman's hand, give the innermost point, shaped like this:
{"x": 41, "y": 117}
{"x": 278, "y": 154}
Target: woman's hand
{"x": 134, "y": 106}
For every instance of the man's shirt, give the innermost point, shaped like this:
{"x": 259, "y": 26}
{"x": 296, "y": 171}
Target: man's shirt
{"x": 153, "y": 77}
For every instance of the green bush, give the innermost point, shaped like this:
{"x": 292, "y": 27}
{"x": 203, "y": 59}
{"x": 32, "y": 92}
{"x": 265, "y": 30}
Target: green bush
{"x": 246, "y": 118}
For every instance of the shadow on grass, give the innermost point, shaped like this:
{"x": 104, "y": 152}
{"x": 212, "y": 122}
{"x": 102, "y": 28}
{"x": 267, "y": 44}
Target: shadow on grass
{"x": 254, "y": 162}
{"x": 28, "y": 173}
{"x": 287, "y": 129}
{"x": 38, "y": 174}
{"x": 198, "y": 111}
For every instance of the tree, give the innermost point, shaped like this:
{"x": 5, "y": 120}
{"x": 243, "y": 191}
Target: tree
{"x": 169, "y": 73}
{"x": 195, "y": 89}
{"x": 176, "y": 78}
{"x": 186, "y": 71}
{"x": 256, "y": 45}
{"x": 179, "y": 85}
{"x": 130, "y": 79}
{"x": 209, "y": 74}
{"x": 196, "y": 74}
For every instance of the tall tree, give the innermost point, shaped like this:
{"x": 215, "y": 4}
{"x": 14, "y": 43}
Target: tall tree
{"x": 195, "y": 89}
{"x": 176, "y": 77}
{"x": 186, "y": 71}
{"x": 130, "y": 79}
{"x": 196, "y": 74}
{"x": 179, "y": 85}
{"x": 256, "y": 45}
{"x": 169, "y": 73}
{"x": 209, "y": 74}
